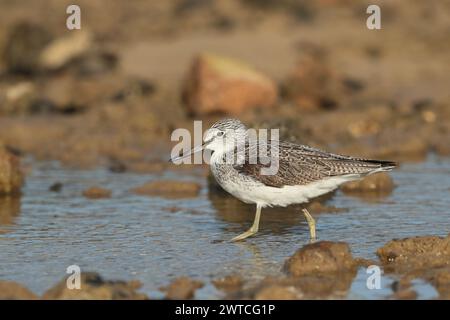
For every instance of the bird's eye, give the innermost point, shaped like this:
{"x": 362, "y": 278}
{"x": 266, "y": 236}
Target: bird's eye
{"x": 220, "y": 133}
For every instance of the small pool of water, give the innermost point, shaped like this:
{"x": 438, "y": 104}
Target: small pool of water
{"x": 154, "y": 240}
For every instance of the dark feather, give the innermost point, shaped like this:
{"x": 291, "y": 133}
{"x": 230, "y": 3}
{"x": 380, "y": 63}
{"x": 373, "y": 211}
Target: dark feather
{"x": 301, "y": 165}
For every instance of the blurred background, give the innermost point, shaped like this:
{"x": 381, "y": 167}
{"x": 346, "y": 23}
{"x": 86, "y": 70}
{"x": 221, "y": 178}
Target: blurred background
{"x": 114, "y": 90}
{"x": 87, "y": 115}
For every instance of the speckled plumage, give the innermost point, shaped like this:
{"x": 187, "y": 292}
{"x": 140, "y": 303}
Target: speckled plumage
{"x": 301, "y": 165}
{"x": 303, "y": 172}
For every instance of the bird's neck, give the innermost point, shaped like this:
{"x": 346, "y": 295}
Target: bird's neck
{"x": 231, "y": 155}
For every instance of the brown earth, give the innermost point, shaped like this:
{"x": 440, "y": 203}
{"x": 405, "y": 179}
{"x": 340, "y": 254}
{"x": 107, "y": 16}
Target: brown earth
{"x": 169, "y": 188}
{"x": 229, "y": 283}
{"x": 320, "y": 257}
{"x": 379, "y": 183}
{"x": 182, "y": 288}
{"x": 97, "y": 193}
{"x": 11, "y": 176}
{"x": 113, "y": 92}
{"x": 9, "y": 211}
{"x": 322, "y": 270}
{"x": 415, "y": 253}
{"x": 94, "y": 287}
{"x": 13, "y": 291}
{"x": 419, "y": 257}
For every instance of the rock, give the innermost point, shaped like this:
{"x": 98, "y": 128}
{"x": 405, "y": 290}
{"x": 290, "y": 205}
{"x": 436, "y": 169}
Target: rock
{"x": 406, "y": 294}
{"x": 440, "y": 278}
{"x": 97, "y": 193}
{"x": 376, "y": 183}
{"x": 220, "y": 84}
{"x": 407, "y": 148}
{"x": 93, "y": 287}
{"x": 415, "y": 253}
{"x": 318, "y": 207}
{"x": 9, "y": 210}
{"x": 426, "y": 257}
{"x": 229, "y": 283}
{"x": 134, "y": 88}
{"x": 24, "y": 46}
{"x": 11, "y": 176}
{"x": 323, "y": 257}
{"x": 403, "y": 290}
{"x": 117, "y": 166}
{"x": 62, "y": 50}
{"x": 10, "y": 290}
{"x": 308, "y": 286}
{"x": 169, "y": 188}
{"x": 67, "y": 95}
{"x": 312, "y": 85}
{"x": 327, "y": 286}
{"x": 362, "y": 262}
{"x": 17, "y": 98}
{"x": 278, "y": 292}
{"x": 440, "y": 144}
{"x": 182, "y": 288}
{"x": 95, "y": 63}
{"x": 56, "y": 187}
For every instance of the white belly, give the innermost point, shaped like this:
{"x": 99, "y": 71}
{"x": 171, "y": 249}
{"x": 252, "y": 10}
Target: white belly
{"x": 287, "y": 195}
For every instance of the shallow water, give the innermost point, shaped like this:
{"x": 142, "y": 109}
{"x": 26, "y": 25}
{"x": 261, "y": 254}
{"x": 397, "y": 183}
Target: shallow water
{"x": 154, "y": 239}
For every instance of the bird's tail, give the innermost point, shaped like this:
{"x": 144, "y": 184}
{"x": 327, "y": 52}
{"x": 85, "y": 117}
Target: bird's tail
{"x": 381, "y": 165}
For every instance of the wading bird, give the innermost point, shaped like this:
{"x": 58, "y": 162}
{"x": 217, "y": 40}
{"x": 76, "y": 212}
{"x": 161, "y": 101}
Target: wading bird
{"x": 302, "y": 172}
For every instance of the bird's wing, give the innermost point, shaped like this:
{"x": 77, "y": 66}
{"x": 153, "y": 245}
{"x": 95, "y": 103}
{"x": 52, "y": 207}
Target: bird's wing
{"x": 301, "y": 165}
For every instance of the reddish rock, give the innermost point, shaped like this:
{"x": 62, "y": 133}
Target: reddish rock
{"x": 220, "y": 84}
{"x": 11, "y": 176}
{"x": 10, "y": 290}
{"x": 322, "y": 257}
{"x": 375, "y": 183}
{"x": 182, "y": 288}
{"x": 97, "y": 193}
{"x": 169, "y": 188}
{"x": 93, "y": 287}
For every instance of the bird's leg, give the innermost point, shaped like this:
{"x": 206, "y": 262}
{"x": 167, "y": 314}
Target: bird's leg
{"x": 311, "y": 224}
{"x": 254, "y": 228}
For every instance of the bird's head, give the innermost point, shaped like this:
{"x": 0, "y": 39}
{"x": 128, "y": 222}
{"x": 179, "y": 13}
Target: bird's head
{"x": 222, "y": 137}
{"x": 225, "y": 135}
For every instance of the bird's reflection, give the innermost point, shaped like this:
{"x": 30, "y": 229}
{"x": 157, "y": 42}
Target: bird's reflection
{"x": 9, "y": 211}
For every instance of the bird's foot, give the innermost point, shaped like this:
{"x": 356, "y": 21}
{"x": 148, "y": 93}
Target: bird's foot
{"x": 244, "y": 235}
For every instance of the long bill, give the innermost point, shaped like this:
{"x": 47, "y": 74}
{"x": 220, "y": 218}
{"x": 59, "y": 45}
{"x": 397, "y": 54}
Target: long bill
{"x": 191, "y": 152}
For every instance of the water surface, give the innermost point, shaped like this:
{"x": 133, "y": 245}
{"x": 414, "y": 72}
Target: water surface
{"x": 153, "y": 239}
